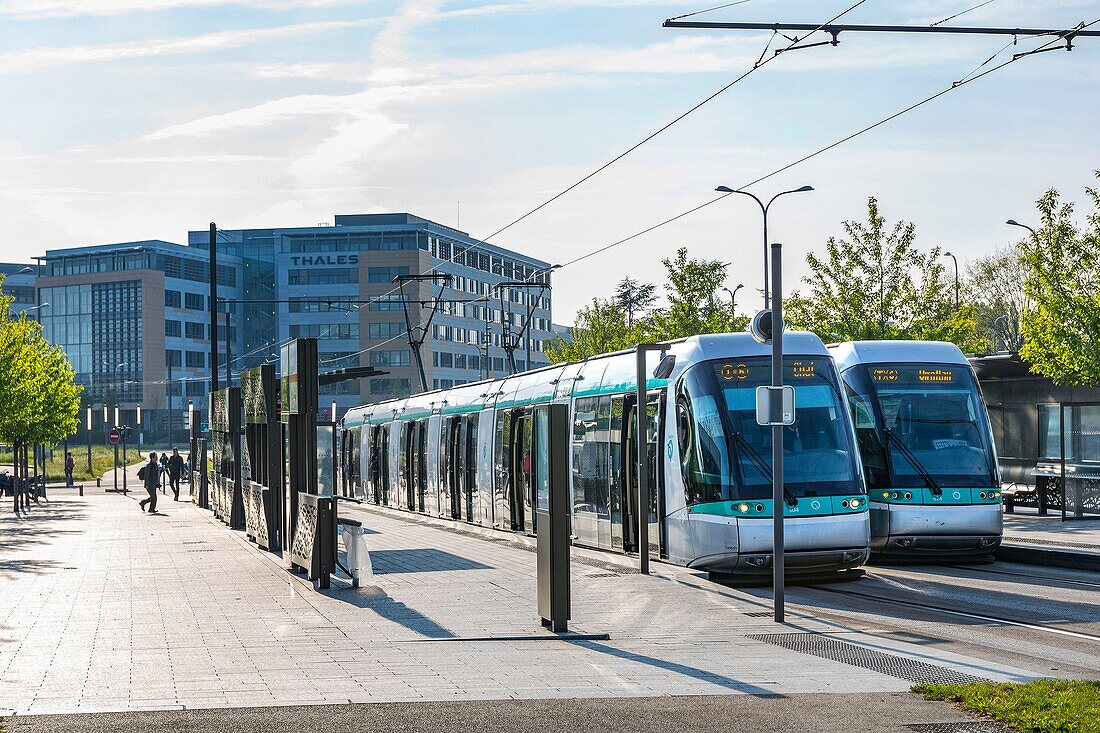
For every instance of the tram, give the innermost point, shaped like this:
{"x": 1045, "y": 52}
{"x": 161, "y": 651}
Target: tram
{"x": 466, "y": 454}
{"x": 927, "y": 448}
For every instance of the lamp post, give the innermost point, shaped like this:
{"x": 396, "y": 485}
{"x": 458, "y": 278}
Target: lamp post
{"x": 956, "y": 261}
{"x": 1014, "y": 223}
{"x": 733, "y": 298}
{"x": 764, "y": 210}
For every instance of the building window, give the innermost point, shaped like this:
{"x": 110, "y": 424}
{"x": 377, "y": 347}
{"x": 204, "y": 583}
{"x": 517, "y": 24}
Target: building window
{"x": 325, "y": 330}
{"x": 196, "y": 388}
{"x": 172, "y": 329}
{"x": 386, "y": 303}
{"x": 194, "y": 301}
{"x": 331, "y": 276}
{"x": 195, "y": 330}
{"x": 390, "y": 388}
{"x": 172, "y": 298}
{"x": 460, "y": 361}
{"x": 385, "y": 330}
{"x": 385, "y": 274}
{"x": 196, "y": 359}
{"x": 173, "y": 358}
{"x": 389, "y": 358}
{"x": 446, "y": 359}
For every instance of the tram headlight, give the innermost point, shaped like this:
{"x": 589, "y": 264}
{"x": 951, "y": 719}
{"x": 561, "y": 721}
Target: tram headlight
{"x": 981, "y": 495}
{"x": 854, "y": 503}
{"x": 908, "y": 495}
{"x": 759, "y": 507}
{"x": 996, "y": 494}
{"x": 744, "y": 508}
{"x": 885, "y": 494}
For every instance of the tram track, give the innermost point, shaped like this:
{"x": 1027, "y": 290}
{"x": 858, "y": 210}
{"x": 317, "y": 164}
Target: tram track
{"x": 1046, "y": 628}
{"x": 1043, "y": 578}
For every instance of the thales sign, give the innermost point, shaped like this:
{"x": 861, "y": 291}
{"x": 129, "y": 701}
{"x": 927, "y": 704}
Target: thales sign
{"x": 323, "y": 260}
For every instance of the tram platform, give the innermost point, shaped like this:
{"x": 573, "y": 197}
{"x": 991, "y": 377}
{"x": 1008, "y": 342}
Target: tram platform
{"x": 106, "y": 608}
{"x": 1038, "y": 539}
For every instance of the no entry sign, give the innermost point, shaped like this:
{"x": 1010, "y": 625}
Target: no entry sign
{"x": 114, "y": 436}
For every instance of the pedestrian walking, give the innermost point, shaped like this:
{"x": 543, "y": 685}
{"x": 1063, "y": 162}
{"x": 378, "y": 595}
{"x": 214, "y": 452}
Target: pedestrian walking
{"x": 149, "y": 474}
{"x": 175, "y": 471}
{"x": 70, "y": 466}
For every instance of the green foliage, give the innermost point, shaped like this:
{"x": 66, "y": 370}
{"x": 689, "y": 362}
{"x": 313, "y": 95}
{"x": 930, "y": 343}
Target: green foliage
{"x": 39, "y": 397}
{"x": 1042, "y": 706}
{"x": 635, "y": 298}
{"x": 616, "y": 324}
{"x": 1061, "y": 330}
{"x": 876, "y": 284}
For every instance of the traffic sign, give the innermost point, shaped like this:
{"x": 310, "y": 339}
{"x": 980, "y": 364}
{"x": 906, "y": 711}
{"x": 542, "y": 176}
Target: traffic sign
{"x": 114, "y": 436}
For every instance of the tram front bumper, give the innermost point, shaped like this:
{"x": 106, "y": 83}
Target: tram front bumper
{"x": 931, "y": 531}
{"x": 811, "y": 545}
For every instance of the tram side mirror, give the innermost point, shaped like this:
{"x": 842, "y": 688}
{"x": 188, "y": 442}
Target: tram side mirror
{"x": 761, "y": 327}
{"x": 665, "y": 367}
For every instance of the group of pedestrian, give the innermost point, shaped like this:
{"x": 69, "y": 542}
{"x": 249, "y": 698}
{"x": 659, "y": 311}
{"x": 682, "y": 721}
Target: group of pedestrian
{"x": 151, "y": 473}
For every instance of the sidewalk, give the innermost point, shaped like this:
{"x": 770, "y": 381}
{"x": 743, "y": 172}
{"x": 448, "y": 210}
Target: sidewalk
{"x": 105, "y": 608}
{"x": 1046, "y": 540}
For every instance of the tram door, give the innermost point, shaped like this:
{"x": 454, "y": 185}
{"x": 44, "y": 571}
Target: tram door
{"x": 408, "y": 465}
{"x": 655, "y": 509}
{"x": 503, "y": 517}
{"x": 469, "y": 483}
{"x": 521, "y": 500}
{"x": 446, "y": 505}
{"x": 377, "y": 470}
{"x": 456, "y": 475}
{"x": 421, "y": 454}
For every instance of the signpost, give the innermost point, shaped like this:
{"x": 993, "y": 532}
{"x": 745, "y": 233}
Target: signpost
{"x": 114, "y": 437}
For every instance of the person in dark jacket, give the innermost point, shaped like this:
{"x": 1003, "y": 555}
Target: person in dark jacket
{"x": 175, "y": 470}
{"x": 150, "y": 477}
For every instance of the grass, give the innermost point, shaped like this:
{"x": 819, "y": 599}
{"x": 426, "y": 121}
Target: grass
{"x": 1043, "y": 706}
{"x": 102, "y": 461}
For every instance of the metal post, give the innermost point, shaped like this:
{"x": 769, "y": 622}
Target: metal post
{"x": 643, "y": 465}
{"x": 778, "y": 504}
{"x": 213, "y": 307}
{"x": 124, "y": 461}
{"x": 767, "y": 290}
{"x": 228, "y": 379}
{"x": 89, "y": 435}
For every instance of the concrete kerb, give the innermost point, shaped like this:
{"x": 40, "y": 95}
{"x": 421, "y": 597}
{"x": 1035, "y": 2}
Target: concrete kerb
{"x": 1054, "y": 557}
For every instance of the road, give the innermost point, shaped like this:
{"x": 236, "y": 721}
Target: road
{"x": 1038, "y": 618}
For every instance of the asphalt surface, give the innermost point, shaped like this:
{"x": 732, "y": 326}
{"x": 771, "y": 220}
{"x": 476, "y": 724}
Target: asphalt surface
{"x": 842, "y": 713}
{"x": 1003, "y": 612}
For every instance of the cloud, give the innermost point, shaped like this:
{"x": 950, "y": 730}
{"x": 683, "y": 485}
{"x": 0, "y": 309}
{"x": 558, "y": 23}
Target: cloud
{"x": 24, "y": 62}
{"x": 74, "y": 8}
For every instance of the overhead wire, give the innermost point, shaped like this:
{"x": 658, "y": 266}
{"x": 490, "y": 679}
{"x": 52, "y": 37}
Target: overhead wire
{"x": 962, "y": 12}
{"x": 831, "y": 146}
{"x": 707, "y": 10}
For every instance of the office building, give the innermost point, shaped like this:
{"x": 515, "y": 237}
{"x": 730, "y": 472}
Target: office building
{"x": 134, "y": 317}
{"x": 19, "y": 284}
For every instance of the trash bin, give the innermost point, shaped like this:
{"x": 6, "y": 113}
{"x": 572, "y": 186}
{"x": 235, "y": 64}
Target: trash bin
{"x": 358, "y": 559}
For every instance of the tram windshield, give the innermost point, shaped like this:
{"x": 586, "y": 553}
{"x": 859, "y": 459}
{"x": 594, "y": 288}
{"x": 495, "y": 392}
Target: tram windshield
{"x": 726, "y": 455}
{"x": 920, "y": 425}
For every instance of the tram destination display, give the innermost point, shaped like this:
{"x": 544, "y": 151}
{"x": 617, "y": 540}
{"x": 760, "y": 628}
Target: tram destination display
{"x": 914, "y": 374}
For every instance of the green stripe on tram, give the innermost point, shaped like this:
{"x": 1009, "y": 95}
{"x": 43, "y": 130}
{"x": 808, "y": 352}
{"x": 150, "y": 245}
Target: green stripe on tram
{"x": 806, "y": 506}
{"x": 926, "y": 497}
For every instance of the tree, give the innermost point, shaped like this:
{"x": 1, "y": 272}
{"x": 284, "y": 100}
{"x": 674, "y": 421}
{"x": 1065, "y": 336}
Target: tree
{"x": 1061, "y": 331}
{"x": 693, "y": 304}
{"x": 994, "y": 285}
{"x": 611, "y": 325}
{"x": 876, "y": 284}
{"x": 634, "y": 297}
{"x": 38, "y": 393}
{"x": 599, "y": 328}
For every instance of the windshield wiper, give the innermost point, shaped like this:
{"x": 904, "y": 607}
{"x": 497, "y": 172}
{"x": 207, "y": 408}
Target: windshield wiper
{"x": 761, "y": 465}
{"x": 909, "y": 456}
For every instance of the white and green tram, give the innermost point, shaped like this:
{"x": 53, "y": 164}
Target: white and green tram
{"x": 466, "y": 454}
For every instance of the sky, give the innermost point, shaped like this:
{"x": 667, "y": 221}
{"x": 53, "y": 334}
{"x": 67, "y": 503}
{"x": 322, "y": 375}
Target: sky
{"x": 143, "y": 119}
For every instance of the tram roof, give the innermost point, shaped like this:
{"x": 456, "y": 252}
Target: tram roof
{"x": 614, "y": 372}
{"x": 851, "y": 353}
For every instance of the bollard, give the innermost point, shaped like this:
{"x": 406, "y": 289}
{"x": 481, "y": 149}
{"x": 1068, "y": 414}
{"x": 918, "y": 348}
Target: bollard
{"x": 82, "y": 489}
{"x": 97, "y": 484}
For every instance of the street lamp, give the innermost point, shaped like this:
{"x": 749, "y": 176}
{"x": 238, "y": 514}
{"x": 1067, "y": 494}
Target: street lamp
{"x": 764, "y": 209}
{"x": 953, "y": 259}
{"x": 89, "y": 434}
{"x": 733, "y": 298}
{"x": 1014, "y": 223}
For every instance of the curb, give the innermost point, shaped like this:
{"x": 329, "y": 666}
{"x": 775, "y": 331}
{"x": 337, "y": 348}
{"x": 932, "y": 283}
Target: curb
{"x": 1049, "y": 557}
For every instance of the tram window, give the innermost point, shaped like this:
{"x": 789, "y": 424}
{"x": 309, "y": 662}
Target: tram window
{"x": 867, "y": 438}
{"x": 615, "y": 456}
{"x": 586, "y": 462}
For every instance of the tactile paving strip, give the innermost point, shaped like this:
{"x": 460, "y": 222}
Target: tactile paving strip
{"x": 903, "y": 668}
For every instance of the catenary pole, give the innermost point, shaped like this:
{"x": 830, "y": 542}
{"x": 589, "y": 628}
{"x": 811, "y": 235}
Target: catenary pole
{"x": 213, "y": 307}
{"x": 778, "y": 505}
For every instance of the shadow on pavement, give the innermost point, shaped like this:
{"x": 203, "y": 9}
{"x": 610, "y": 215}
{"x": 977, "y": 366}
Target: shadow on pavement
{"x": 379, "y": 601}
